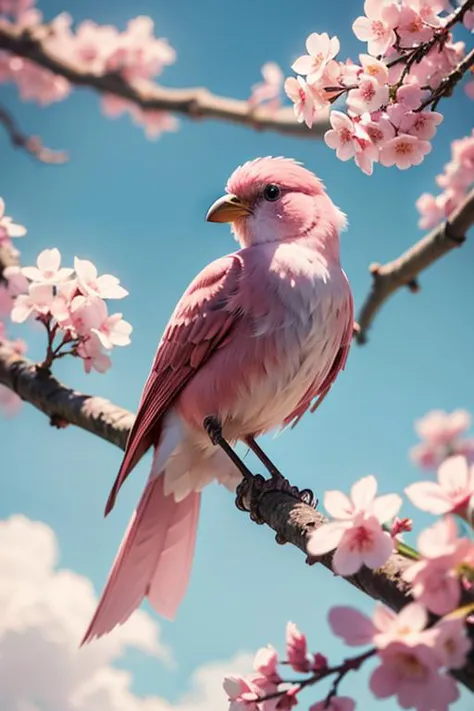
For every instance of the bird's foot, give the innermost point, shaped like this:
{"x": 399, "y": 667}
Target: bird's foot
{"x": 251, "y": 490}
{"x": 214, "y": 429}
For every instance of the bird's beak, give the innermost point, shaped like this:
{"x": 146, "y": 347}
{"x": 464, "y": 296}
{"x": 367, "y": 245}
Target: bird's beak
{"x": 227, "y": 209}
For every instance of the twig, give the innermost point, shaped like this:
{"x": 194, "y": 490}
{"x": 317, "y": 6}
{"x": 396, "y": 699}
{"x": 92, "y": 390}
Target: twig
{"x": 388, "y": 278}
{"x": 196, "y": 103}
{"x": 31, "y": 144}
{"x": 446, "y": 87}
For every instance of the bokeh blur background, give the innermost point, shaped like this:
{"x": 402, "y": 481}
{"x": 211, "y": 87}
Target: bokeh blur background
{"x": 136, "y": 208}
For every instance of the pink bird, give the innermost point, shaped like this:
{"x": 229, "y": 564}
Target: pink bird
{"x": 256, "y": 337}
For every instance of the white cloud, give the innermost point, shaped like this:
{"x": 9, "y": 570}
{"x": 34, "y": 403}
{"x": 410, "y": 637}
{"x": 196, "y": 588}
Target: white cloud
{"x": 43, "y": 613}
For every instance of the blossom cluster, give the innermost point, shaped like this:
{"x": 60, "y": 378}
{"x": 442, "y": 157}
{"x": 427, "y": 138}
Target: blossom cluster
{"x": 268, "y": 92}
{"x": 442, "y": 435}
{"x": 135, "y": 55}
{"x": 413, "y": 655}
{"x": 70, "y": 303}
{"x": 412, "y": 662}
{"x": 456, "y": 180}
{"x": 410, "y": 52}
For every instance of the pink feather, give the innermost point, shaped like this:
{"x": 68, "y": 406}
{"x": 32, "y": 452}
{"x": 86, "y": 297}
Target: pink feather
{"x": 154, "y": 559}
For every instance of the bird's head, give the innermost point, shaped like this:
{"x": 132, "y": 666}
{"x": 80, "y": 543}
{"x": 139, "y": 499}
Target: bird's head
{"x": 275, "y": 200}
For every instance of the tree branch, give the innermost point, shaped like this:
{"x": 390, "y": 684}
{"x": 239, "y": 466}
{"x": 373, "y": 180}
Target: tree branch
{"x": 31, "y": 144}
{"x": 388, "y": 278}
{"x": 448, "y": 84}
{"x": 196, "y": 103}
{"x": 63, "y": 405}
{"x": 291, "y": 520}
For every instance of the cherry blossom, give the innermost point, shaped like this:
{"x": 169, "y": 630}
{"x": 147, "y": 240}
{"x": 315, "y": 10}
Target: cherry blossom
{"x": 411, "y": 27}
{"x": 356, "y": 533}
{"x": 432, "y": 210}
{"x": 93, "y": 356}
{"x": 421, "y": 124}
{"x": 48, "y": 269}
{"x": 404, "y": 151}
{"x": 385, "y": 627}
{"x": 350, "y": 139}
{"x": 342, "y": 135}
{"x": 8, "y": 228}
{"x": 301, "y": 95}
{"x": 37, "y": 301}
{"x": 266, "y": 662}
{"x": 368, "y": 97}
{"x": 435, "y": 578}
{"x": 441, "y": 433}
{"x": 451, "y": 493}
{"x": 105, "y": 286}
{"x": 296, "y": 648}
{"x": 89, "y": 315}
{"x": 268, "y": 92}
{"x": 411, "y": 673}
{"x": 456, "y": 180}
{"x": 451, "y": 642}
{"x": 374, "y": 68}
{"x": 321, "y": 50}
{"x": 411, "y": 95}
{"x": 377, "y": 29}
{"x": 242, "y": 693}
{"x": 37, "y": 84}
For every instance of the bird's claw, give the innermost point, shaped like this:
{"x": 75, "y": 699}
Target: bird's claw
{"x": 251, "y": 489}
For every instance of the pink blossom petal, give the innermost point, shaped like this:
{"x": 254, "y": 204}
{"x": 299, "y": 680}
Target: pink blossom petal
{"x": 49, "y": 260}
{"x": 303, "y": 65}
{"x": 453, "y": 474}
{"x": 338, "y": 505}
{"x": 109, "y": 287}
{"x": 413, "y": 617}
{"x": 347, "y": 558}
{"x": 353, "y": 626}
{"x": 326, "y": 538}
{"x": 383, "y": 617}
{"x": 429, "y": 496}
{"x": 32, "y": 273}
{"x": 386, "y": 507}
{"x": 363, "y": 493}
{"x": 380, "y": 551}
{"x": 85, "y": 270}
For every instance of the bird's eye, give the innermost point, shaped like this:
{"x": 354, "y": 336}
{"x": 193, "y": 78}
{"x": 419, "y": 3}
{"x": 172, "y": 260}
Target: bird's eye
{"x": 271, "y": 192}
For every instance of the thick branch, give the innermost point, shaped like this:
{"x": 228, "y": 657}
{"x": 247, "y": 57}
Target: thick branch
{"x": 291, "y": 520}
{"x": 403, "y": 271}
{"x": 196, "y": 103}
{"x": 63, "y": 405}
{"x": 31, "y": 144}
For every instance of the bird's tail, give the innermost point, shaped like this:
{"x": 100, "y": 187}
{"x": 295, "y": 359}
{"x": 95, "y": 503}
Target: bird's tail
{"x": 154, "y": 559}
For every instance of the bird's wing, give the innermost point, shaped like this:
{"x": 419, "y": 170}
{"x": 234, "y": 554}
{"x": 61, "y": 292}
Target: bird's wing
{"x": 320, "y": 390}
{"x": 200, "y": 324}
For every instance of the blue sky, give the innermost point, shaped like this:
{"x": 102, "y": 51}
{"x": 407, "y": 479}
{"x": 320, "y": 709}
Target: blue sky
{"x": 136, "y": 208}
